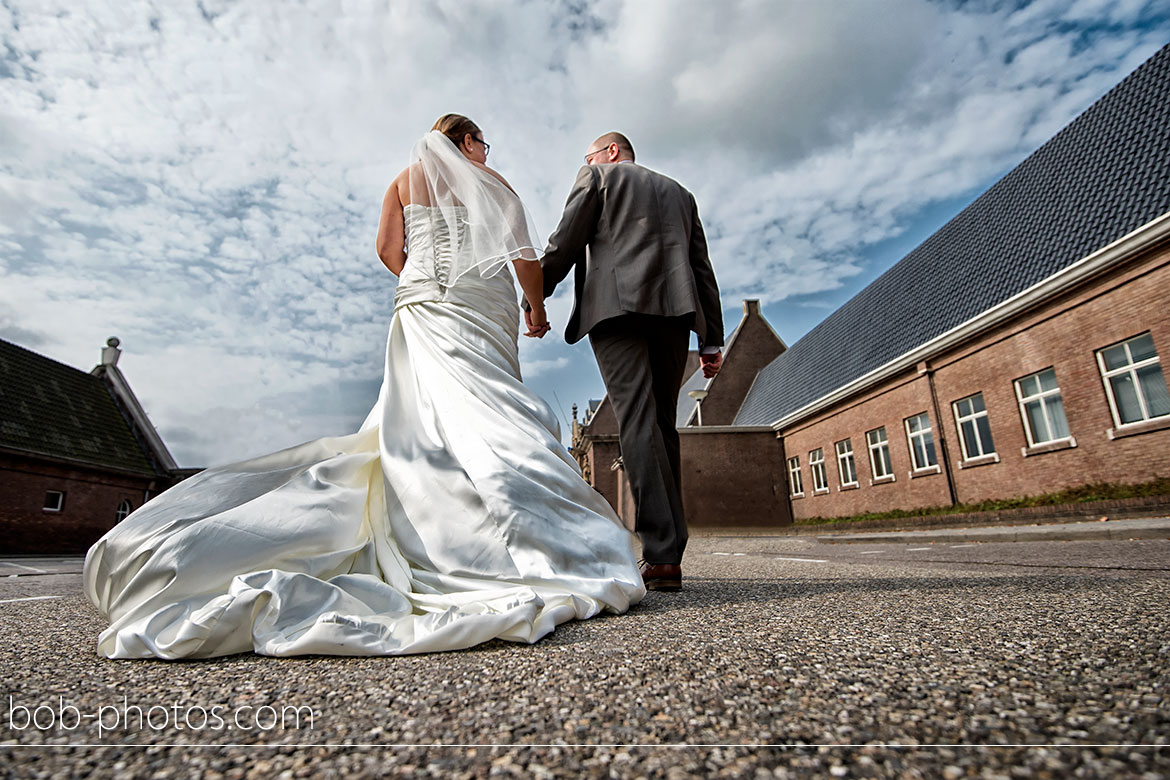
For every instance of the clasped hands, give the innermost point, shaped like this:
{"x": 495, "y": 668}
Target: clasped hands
{"x": 537, "y": 321}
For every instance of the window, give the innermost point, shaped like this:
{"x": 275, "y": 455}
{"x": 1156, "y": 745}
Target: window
{"x": 1042, "y": 408}
{"x": 920, "y": 436}
{"x": 816, "y": 464}
{"x": 974, "y": 428}
{"x": 794, "y": 482}
{"x": 124, "y": 509}
{"x": 54, "y": 501}
{"x": 879, "y": 454}
{"x": 846, "y": 469}
{"x": 1134, "y": 381}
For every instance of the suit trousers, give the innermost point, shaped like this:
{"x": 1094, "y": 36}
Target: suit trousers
{"x": 642, "y": 358}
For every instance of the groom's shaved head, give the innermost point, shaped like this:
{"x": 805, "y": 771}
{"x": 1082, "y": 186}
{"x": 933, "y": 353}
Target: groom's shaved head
{"x": 614, "y": 138}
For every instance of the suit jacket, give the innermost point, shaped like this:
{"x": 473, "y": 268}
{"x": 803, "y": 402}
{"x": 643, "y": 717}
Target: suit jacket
{"x": 635, "y": 243}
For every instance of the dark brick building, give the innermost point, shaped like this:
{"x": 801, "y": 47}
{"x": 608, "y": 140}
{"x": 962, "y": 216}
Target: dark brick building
{"x": 77, "y": 452}
{"x": 718, "y": 487}
{"x": 1017, "y": 351}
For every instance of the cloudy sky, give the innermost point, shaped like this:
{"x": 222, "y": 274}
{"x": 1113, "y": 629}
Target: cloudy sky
{"x": 203, "y": 179}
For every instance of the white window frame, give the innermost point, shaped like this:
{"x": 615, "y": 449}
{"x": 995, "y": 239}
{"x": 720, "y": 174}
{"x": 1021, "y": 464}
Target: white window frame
{"x": 983, "y": 455}
{"x": 54, "y": 506}
{"x": 876, "y": 448}
{"x": 1044, "y": 397}
{"x": 842, "y": 456}
{"x": 1132, "y": 369}
{"x": 124, "y": 509}
{"x": 795, "y": 481}
{"x": 817, "y": 468}
{"x": 927, "y": 432}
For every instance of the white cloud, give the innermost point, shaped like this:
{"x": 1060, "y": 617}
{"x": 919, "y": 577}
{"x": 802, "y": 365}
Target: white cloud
{"x": 204, "y": 180}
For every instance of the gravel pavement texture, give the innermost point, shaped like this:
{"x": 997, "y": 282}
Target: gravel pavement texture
{"x": 987, "y": 665}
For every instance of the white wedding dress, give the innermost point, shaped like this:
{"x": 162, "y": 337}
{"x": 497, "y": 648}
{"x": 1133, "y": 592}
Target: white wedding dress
{"x": 452, "y": 517}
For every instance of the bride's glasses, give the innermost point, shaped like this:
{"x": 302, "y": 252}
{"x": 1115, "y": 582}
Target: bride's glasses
{"x": 486, "y": 146}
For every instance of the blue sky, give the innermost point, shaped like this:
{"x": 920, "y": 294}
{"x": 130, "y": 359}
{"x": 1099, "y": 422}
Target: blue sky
{"x": 203, "y": 179}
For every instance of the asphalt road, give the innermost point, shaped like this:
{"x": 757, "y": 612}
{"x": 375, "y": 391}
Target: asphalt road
{"x": 783, "y": 657}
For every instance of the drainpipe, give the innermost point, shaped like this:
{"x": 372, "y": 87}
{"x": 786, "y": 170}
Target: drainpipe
{"x": 943, "y": 456}
{"x": 784, "y": 470}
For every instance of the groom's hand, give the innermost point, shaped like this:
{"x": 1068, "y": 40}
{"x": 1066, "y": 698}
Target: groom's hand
{"x": 537, "y": 324}
{"x": 711, "y": 363}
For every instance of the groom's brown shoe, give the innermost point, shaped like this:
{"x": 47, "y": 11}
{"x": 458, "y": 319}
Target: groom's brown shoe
{"x": 661, "y": 576}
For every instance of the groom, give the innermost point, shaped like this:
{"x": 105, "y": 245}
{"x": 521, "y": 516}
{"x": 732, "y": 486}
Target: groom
{"x": 642, "y": 283}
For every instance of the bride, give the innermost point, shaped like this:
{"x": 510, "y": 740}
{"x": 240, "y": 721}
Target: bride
{"x": 451, "y": 517}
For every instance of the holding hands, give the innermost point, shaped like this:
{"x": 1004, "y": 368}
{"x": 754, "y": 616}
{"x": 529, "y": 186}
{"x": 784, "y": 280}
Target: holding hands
{"x": 536, "y": 320}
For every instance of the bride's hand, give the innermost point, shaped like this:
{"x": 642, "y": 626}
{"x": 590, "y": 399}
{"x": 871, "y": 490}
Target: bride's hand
{"x": 537, "y": 321}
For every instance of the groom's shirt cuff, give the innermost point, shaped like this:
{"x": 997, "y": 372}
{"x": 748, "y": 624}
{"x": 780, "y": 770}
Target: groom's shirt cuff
{"x": 710, "y": 350}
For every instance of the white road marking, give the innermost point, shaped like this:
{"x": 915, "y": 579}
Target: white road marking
{"x": 739, "y": 554}
{"x": 957, "y": 546}
{"x": 22, "y": 566}
{"x": 806, "y": 560}
{"x": 721, "y": 553}
{"x": 871, "y": 552}
{"x": 916, "y": 549}
{"x": 30, "y": 598}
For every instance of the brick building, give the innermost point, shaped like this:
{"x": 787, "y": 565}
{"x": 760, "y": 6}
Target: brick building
{"x": 717, "y": 489}
{"x": 77, "y": 452}
{"x": 1017, "y": 351}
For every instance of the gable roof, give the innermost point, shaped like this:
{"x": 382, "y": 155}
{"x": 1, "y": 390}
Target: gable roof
{"x": 51, "y": 409}
{"x": 727, "y": 388}
{"x": 693, "y": 378}
{"x": 1100, "y": 178}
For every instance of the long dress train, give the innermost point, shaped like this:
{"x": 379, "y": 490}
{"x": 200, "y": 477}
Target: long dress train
{"x": 452, "y": 516}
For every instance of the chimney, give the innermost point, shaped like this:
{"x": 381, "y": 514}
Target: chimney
{"x": 110, "y": 352}
{"x": 751, "y": 306}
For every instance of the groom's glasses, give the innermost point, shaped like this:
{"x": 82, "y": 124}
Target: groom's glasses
{"x": 486, "y": 146}
{"x": 594, "y": 153}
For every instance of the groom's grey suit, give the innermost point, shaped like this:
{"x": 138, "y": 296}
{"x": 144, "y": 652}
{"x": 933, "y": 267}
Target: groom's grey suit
{"x": 643, "y": 281}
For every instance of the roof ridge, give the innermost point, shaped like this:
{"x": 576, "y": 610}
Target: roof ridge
{"x": 41, "y": 356}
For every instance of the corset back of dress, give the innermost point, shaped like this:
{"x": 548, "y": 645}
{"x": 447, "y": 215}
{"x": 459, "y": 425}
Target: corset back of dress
{"x": 438, "y": 267}
{"x": 430, "y": 245}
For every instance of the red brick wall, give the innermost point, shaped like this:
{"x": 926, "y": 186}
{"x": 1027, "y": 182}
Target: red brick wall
{"x": 91, "y": 503}
{"x": 604, "y": 421}
{"x": 733, "y": 477}
{"x": 601, "y": 455}
{"x": 1063, "y": 334}
{"x": 887, "y": 406}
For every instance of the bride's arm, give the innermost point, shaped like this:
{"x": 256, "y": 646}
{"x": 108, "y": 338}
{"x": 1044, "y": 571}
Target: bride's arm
{"x": 531, "y": 278}
{"x": 391, "y": 242}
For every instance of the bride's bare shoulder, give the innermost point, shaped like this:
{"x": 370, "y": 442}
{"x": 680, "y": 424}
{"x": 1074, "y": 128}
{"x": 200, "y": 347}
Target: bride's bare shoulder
{"x": 496, "y": 174}
{"x": 401, "y": 183}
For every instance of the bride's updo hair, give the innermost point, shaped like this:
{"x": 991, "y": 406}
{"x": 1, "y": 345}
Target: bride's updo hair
{"x": 455, "y": 126}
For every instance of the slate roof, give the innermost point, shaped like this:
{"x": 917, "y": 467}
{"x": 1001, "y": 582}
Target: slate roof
{"x": 1104, "y": 175}
{"x": 686, "y": 404}
{"x": 52, "y": 409}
